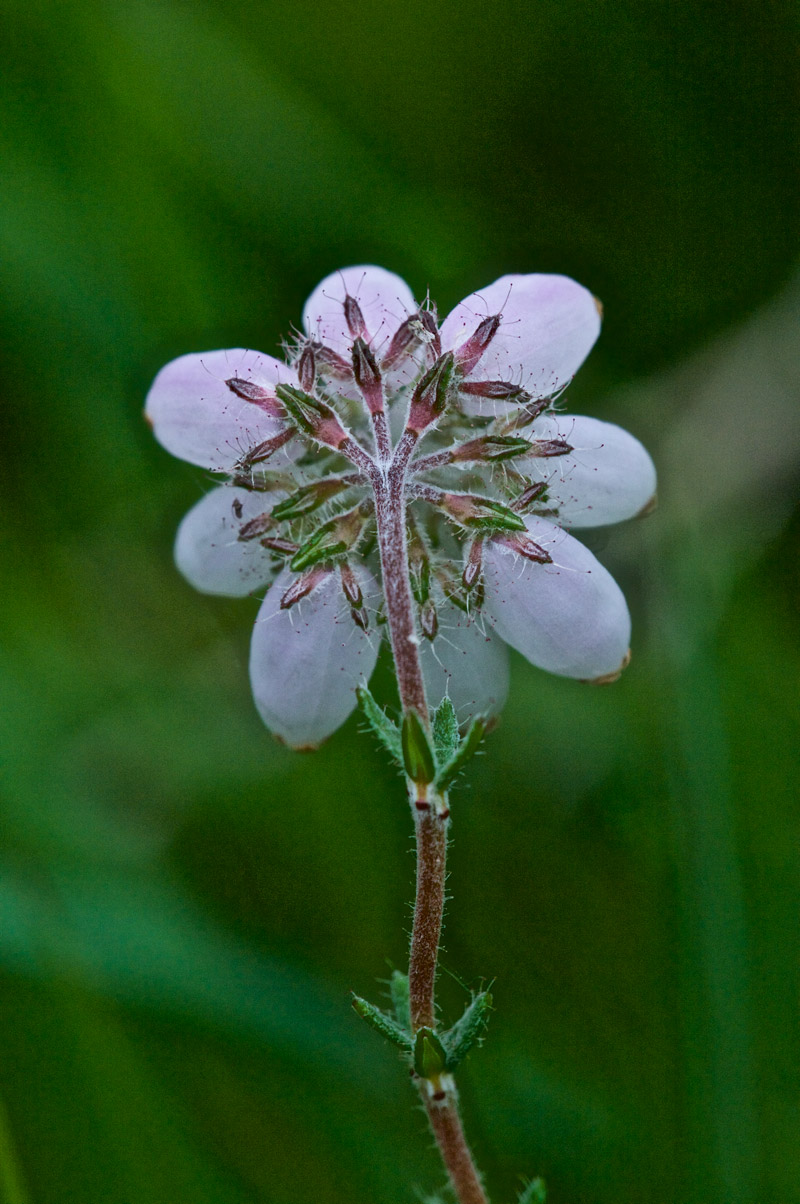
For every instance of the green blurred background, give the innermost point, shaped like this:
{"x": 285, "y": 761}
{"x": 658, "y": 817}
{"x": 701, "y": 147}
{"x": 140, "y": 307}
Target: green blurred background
{"x": 184, "y": 904}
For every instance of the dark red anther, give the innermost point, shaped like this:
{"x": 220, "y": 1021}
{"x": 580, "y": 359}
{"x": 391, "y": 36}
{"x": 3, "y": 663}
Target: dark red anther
{"x": 368, "y": 376}
{"x": 529, "y": 496}
{"x": 263, "y": 451}
{"x": 350, "y": 586}
{"x": 549, "y": 447}
{"x": 438, "y": 1096}
{"x": 237, "y": 507}
{"x": 354, "y": 318}
{"x": 428, "y": 619}
{"x": 360, "y": 618}
{"x": 286, "y": 547}
{"x": 422, "y": 805}
{"x": 471, "y": 351}
{"x": 302, "y": 586}
{"x": 472, "y": 569}
{"x": 494, "y": 390}
{"x": 256, "y": 395}
{"x": 525, "y": 546}
{"x": 256, "y": 527}
{"x": 307, "y": 368}
{"x": 445, "y": 814}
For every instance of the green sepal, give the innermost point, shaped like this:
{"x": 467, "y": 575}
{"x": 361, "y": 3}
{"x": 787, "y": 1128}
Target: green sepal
{"x": 387, "y": 732}
{"x": 445, "y": 731}
{"x": 383, "y": 1024}
{"x": 534, "y": 1192}
{"x": 307, "y": 411}
{"x": 430, "y": 1059}
{"x": 488, "y": 515}
{"x": 465, "y": 751}
{"x": 467, "y": 1032}
{"x": 401, "y": 1002}
{"x": 322, "y": 545}
{"x": 418, "y": 759}
{"x": 308, "y": 498}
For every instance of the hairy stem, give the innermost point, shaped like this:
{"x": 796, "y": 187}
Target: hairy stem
{"x": 449, "y": 1134}
{"x": 428, "y": 910}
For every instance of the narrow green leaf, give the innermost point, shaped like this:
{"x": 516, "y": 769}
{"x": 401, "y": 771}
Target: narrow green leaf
{"x": 418, "y": 757}
{"x": 382, "y": 1024}
{"x": 465, "y": 751}
{"x": 445, "y": 731}
{"x": 534, "y": 1192}
{"x": 398, "y": 988}
{"x": 387, "y": 732}
{"x": 468, "y": 1031}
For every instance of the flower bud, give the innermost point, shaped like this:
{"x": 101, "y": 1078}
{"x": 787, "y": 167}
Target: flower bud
{"x": 309, "y": 498}
{"x": 523, "y": 545}
{"x": 263, "y": 451}
{"x": 549, "y": 447}
{"x": 350, "y": 586}
{"x": 430, "y": 396}
{"x": 256, "y": 527}
{"x": 470, "y": 352}
{"x": 333, "y": 538}
{"x": 529, "y": 496}
{"x": 354, "y": 318}
{"x": 493, "y": 390}
{"x": 428, "y": 619}
{"x": 314, "y": 417}
{"x": 307, "y": 368}
{"x": 418, "y": 758}
{"x": 430, "y": 1058}
{"x": 491, "y": 448}
{"x": 256, "y": 395}
{"x": 368, "y": 377}
{"x": 474, "y": 565}
{"x": 302, "y": 586}
{"x": 480, "y": 513}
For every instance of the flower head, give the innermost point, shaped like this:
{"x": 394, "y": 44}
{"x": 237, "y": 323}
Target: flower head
{"x": 406, "y": 476}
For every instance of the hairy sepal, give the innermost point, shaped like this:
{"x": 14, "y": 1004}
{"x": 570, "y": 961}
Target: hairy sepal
{"x": 469, "y": 1031}
{"x": 384, "y": 728}
{"x": 384, "y": 1024}
{"x": 446, "y": 738}
{"x": 464, "y": 752}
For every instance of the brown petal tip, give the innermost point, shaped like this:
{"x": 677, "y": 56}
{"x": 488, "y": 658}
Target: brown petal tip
{"x": 607, "y": 678}
{"x": 598, "y": 304}
{"x": 648, "y": 507}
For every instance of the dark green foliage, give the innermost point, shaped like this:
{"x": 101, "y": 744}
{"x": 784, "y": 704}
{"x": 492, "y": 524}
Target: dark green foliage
{"x": 534, "y": 1193}
{"x": 387, "y": 732}
{"x": 398, "y": 987}
{"x": 468, "y": 1031}
{"x": 383, "y": 1024}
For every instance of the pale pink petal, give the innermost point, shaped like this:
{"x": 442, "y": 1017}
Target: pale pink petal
{"x": 569, "y": 617}
{"x": 606, "y": 478}
{"x": 196, "y": 417}
{"x": 548, "y": 326}
{"x": 385, "y": 301}
{"x": 306, "y": 662}
{"x": 208, "y": 550}
{"x": 466, "y": 663}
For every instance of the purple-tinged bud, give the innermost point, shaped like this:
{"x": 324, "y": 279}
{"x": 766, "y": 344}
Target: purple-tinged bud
{"x": 256, "y": 395}
{"x": 404, "y": 338}
{"x": 368, "y": 376}
{"x": 474, "y": 565}
{"x": 307, "y": 368}
{"x": 527, "y": 413}
{"x": 427, "y": 320}
{"x": 430, "y": 396}
{"x": 479, "y": 513}
{"x": 494, "y": 390}
{"x": 263, "y": 451}
{"x": 330, "y": 363}
{"x": 428, "y": 619}
{"x": 256, "y": 527}
{"x": 314, "y": 417}
{"x": 470, "y": 352}
{"x": 309, "y": 498}
{"x": 523, "y": 545}
{"x": 350, "y": 586}
{"x": 302, "y": 586}
{"x": 490, "y": 448}
{"x": 286, "y": 547}
{"x": 549, "y": 447}
{"x": 529, "y": 496}
{"x": 354, "y": 318}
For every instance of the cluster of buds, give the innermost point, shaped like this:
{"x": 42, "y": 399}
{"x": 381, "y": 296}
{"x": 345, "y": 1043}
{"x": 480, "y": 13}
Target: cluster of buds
{"x": 404, "y": 475}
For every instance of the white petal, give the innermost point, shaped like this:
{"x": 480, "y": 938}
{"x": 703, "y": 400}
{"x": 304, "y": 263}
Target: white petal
{"x": 466, "y": 663}
{"x": 305, "y": 662}
{"x": 208, "y": 551}
{"x": 569, "y": 617}
{"x": 196, "y": 417}
{"x": 607, "y": 478}
{"x": 549, "y": 325}
{"x": 385, "y": 301}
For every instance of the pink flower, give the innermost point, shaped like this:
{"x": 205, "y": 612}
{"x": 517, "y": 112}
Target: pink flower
{"x": 407, "y": 475}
